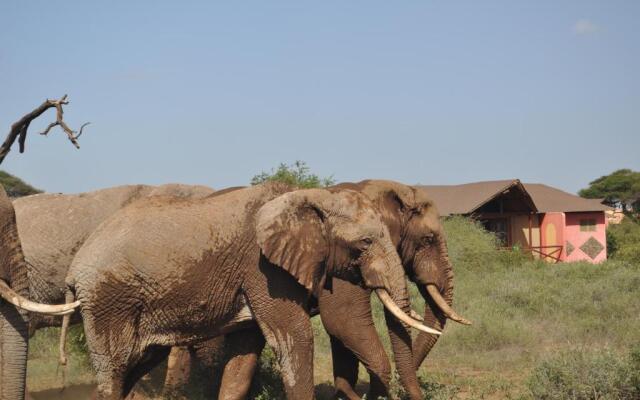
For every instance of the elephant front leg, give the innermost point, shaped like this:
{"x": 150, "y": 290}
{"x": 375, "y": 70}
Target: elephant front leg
{"x": 346, "y": 315}
{"x": 279, "y": 305}
{"x": 345, "y": 370}
{"x": 243, "y": 352}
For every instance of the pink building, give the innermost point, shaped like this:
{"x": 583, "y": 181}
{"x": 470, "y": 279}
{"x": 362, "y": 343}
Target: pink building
{"x": 552, "y": 224}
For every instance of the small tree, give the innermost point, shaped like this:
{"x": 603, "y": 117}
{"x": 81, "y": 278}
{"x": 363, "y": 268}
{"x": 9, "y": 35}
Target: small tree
{"x": 620, "y": 188}
{"x": 296, "y": 174}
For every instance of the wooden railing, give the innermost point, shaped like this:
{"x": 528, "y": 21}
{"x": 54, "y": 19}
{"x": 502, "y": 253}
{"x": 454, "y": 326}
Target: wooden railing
{"x": 546, "y": 252}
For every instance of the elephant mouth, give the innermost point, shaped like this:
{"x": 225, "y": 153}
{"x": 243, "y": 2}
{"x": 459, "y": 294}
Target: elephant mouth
{"x": 12, "y": 297}
{"x": 390, "y": 305}
{"x": 446, "y": 309}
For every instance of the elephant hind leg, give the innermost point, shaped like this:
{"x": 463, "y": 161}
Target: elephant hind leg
{"x": 243, "y": 352}
{"x": 113, "y": 348}
{"x": 179, "y": 368}
{"x": 152, "y": 357}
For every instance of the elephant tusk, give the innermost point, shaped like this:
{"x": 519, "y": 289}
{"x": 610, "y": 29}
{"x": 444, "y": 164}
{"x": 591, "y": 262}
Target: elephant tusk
{"x": 19, "y": 301}
{"x": 388, "y": 302}
{"x": 416, "y": 316}
{"x": 446, "y": 308}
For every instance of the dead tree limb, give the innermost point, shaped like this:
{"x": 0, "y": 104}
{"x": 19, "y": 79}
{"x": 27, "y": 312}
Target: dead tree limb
{"x": 19, "y": 128}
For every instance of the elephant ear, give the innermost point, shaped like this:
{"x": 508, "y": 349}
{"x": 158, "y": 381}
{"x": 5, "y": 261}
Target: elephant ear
{"x": 290, "y": 231}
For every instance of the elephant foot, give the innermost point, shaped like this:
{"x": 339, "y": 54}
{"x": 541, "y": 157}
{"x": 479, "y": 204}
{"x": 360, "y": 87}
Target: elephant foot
{"x": 344, "y": 390}
{"x": 135, "y": 395}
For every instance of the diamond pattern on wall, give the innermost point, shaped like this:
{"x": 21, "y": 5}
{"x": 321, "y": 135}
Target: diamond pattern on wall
{"x": 592, "y": 247}
{"x": 569, "y": 248}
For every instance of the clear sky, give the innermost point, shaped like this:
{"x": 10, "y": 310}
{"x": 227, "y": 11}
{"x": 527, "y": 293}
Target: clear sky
{"x": 416, "y": 91}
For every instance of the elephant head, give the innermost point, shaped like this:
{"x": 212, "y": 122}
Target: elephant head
{"x": 317, "y": 234}
{"x": 414, "y": 224}
{"x": 14, "y": 287}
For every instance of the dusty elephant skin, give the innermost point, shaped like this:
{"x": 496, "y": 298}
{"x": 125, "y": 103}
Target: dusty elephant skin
{"x": 14, "y": 304}
{"x": 165, "y": 272}
{"x": 52, "y": 227}
{"x": 345, "y": 308}
{"x": 417, "y": 233}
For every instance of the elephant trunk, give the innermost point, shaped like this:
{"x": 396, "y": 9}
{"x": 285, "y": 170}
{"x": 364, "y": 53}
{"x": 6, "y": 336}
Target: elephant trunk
{"x": 14, "y": 337}
{"x": 435, "y": 283}
{"x": 399, "y": 304}
{"x": 14, "y": 342}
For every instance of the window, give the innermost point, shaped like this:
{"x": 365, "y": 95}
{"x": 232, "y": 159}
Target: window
{"x": 499, "y": 226}
{"x": 588, "y": 225}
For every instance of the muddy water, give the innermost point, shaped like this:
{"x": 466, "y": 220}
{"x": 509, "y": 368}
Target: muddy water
{"x": 76, "y": 392}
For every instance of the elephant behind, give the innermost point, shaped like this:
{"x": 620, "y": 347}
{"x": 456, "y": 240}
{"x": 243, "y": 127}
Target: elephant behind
{"x": 54, "y": 226}
{"x": 168, "y": 272}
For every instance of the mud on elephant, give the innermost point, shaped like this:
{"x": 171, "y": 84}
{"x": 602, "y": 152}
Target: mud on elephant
{"x": 166, "y": 272}
{"x": 345, "y": 309}
{"x": 52, "y": 228}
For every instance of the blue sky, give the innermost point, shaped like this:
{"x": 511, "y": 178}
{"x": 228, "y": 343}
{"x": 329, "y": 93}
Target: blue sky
{"x": 418, "y": 92}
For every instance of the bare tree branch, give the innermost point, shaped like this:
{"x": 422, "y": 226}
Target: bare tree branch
{"x": 19, "y": 129}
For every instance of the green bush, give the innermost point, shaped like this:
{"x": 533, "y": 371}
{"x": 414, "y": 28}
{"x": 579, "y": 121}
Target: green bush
{"x": 267, "y": 384}
{"x": 587, "y": 375}
{"x": 15, "y": 186}
{"x": 623, "y": 241}
{"x": 469, "y": 244}
{"x": 297, "y": 174}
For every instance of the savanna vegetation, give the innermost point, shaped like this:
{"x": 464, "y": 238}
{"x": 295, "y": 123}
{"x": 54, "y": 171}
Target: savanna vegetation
{"x": 15, "y": 186}
{"x": 541, "y": 331}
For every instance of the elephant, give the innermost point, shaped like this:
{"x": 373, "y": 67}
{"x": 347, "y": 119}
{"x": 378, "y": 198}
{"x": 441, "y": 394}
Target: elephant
{"x": 168, "y": 272}
{"x": 414, "y": 224}
{"x": 15, "y": 306}
{"x": 52, "y": 228}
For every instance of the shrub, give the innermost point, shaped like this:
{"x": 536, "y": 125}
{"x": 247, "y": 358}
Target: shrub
{"x": 584, "y": 375}
{"x": 624, "y": 239}
{"x": 267, "y": 384}
{"x": 15, "y": 186}
{"x": 297, "y": 174}
{"x": 469, "y": 244}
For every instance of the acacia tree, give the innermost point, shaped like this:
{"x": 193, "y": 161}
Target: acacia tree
{"x": 620, "y": 188}
{"x": 297, "y": 174}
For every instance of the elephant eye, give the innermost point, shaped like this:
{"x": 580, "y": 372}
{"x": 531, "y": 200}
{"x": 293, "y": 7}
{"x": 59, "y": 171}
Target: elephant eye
{"x": 364, "y": 243}
{"x": 429, "y": 239}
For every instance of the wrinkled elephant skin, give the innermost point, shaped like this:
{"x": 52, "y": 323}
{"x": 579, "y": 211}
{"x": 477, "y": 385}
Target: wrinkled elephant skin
{"x": 166, "y": 272}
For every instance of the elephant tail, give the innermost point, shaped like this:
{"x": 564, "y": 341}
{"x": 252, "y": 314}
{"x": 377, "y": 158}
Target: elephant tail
{"x": 66, "y": 320}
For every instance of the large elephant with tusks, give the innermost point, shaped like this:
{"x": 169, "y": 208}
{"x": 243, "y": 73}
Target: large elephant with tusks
{"x": 168, "y": 272}
{"x": 415, "y": 229}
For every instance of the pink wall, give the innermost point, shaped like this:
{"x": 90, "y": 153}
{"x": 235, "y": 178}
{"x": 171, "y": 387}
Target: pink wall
{"x": 552, "y": 232}
{"x": 577, "y": 237}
